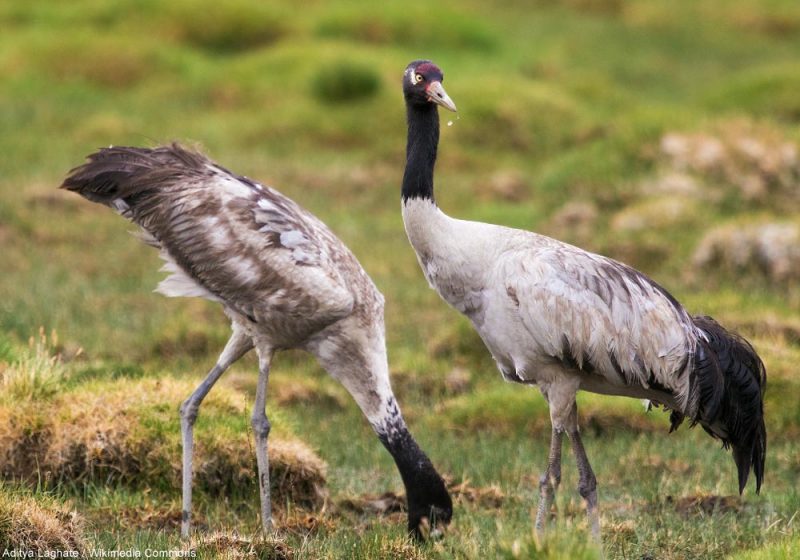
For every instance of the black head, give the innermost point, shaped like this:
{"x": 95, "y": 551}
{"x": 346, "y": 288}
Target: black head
{"x": 422, "y": 85}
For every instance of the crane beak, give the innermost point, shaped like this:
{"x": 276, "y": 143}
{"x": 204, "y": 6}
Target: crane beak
{"x": 437, "y": 94}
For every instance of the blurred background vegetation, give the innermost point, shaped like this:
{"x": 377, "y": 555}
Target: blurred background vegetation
{"x": 662, "y": 133}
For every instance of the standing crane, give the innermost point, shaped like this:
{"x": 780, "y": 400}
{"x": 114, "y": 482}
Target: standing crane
{"x": 284, "y": 281}
{"x": 563, "y": 319}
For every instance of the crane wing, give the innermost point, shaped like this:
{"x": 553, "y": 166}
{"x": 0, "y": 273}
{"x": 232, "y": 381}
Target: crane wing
{"x": 599, "y": 315}
{"x": 223, "y": 236}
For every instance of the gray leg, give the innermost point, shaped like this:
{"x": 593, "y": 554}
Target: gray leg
{"x": 548, "y": 483}
{"x": 238, "y": 345}
{"x": 587, "y": 483}
{"x": 261, "y": 427}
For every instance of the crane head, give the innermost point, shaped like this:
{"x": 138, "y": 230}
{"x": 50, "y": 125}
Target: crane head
{"x": 422, "y": 84}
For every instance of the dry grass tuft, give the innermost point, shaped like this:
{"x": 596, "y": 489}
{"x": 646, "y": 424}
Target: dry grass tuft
{"x": 762, "y": 164}
{"x": 677, "y": 183}
{"x": 303, "y": 524}
{"x": 655, "y": 213}
{"x": 128, "y": 433}
{"x": 297, "y": 474}
{"x": 159, "y": 518}
{"x": 400, "y": 549}
{"x": 489, "y": 497}
{"x": 36, "y": 373}
{"x": 28, "y": 525}
{"x": 770, "y": 249}
{"x": 383, "y": 504}
{"x": 231, "y": 545}
{"x": 620, "y": 529}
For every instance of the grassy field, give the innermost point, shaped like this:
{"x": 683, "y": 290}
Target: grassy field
{"x": 662, "y": 133}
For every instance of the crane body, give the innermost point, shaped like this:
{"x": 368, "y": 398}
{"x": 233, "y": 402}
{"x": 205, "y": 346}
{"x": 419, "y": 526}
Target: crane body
{"x": 284, "y": 281}
{"x": 564, "y": 319}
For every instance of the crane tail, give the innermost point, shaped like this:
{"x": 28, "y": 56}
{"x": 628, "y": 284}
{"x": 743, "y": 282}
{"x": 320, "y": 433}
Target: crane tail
{"x": 120, "y": 173}
{"x": 731, "y": 380}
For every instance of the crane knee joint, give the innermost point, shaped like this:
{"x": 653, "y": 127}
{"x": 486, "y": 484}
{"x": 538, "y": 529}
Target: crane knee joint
{"x": 261, "y": 425}
{"x": 587, "y": 488}
{"x": 189, "y": 410}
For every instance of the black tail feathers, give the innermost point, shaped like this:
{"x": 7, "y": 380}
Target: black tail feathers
{"x": 121, "y": 172}
{"x": 730, "y": 380}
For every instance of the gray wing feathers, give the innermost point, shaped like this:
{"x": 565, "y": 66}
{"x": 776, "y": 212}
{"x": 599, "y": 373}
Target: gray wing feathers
{"x": 223, "y": 237}
{"x": 604, "y": 317}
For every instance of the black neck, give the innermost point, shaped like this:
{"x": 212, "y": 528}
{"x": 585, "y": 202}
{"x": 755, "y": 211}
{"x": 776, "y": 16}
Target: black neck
{"x": 423, "y": 139}
{"x": 426, "y": 492}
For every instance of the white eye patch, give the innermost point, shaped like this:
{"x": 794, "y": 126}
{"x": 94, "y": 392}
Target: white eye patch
{"x": 415, "y": 78}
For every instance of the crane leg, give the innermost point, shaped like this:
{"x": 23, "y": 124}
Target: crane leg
{"x": 261, "y": 428}
{"x": 364, "y": 372}
{"x": 548, "y": 483}
{"x": 238, "y": 345}
{"x": 587, "y": 483}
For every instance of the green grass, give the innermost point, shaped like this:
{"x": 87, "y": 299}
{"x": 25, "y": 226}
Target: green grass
{"x": 572, "y": 99}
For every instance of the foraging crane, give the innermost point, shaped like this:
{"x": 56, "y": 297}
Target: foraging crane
{"x": 564, "y": 319}
{"x": 284, "y": 280}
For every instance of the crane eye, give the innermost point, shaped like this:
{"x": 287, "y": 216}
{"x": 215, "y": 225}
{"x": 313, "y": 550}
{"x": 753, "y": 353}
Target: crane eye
{"x": 417, "y": 78}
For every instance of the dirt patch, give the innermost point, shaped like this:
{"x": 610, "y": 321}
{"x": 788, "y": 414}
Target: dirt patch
{"x": 28, "y": 525}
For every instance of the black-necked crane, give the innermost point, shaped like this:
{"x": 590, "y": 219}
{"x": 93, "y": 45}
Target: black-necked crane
{"x": 284, "y": 281}
{"x": 564, "y": 319}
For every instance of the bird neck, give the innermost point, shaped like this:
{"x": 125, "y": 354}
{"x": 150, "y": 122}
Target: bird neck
{"x": 423, "y": 140}
{"x": 425, "y": 490}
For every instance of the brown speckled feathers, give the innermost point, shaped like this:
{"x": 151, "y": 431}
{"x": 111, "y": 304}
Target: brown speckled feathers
{"x": 228, "y": 238}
